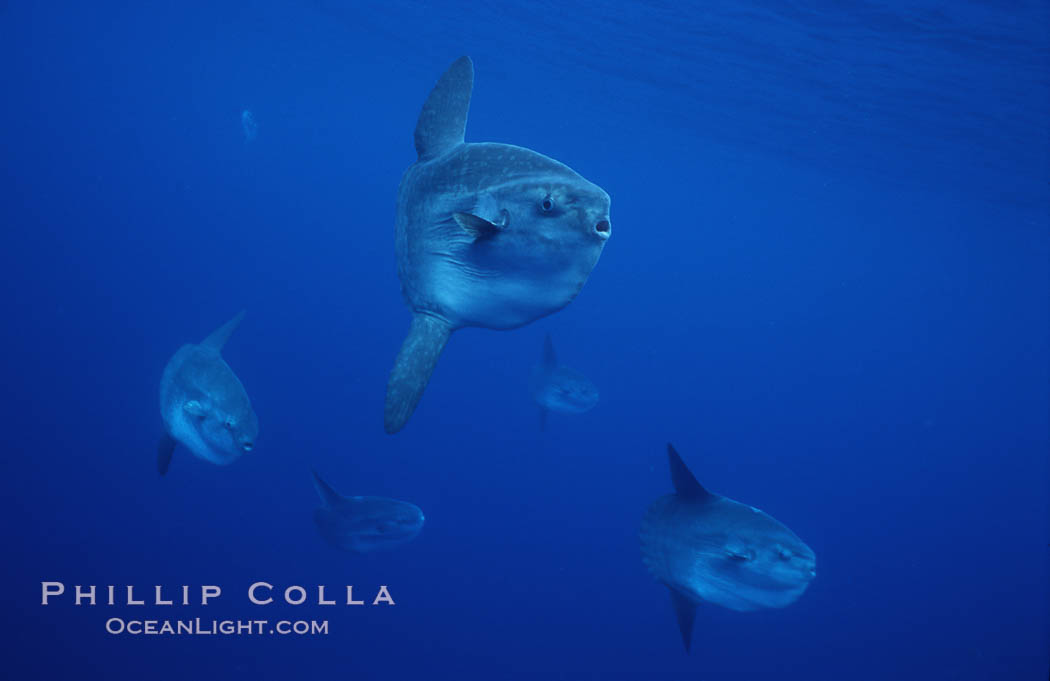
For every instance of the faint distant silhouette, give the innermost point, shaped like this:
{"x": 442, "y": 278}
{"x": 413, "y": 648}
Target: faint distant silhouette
{"x": 251, "y": 128}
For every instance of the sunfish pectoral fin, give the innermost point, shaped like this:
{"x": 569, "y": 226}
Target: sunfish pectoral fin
{"x": 443, "y": 120}
{"x": 685, "y": 613}
{"x": 328, "y": 495}
{"x": 165, "y": 448}
{"x": 219, "y": 336}
{"x": 194, "y": 408}
{"x": 412, "y": 368}
{"x": 549, "y": 359}
{"x": 477, "y": 227}
{"x": 685, "y": 485}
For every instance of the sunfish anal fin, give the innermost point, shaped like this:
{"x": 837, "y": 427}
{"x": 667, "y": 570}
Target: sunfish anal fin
{"x": 219, "y": 336}
{"x": 328, "y": 495}
{"x": 165, "y": 448}
{"x": 443, "y": 120}
{"x": 479, "y": 228}
{"x": 685, "y": 612}
{"x": 412, "y": 369}
{"x": 685, "y": 485}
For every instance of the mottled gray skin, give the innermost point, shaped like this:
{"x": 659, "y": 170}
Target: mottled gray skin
{"x": 487, "y": 235}
{"x": 726, "y": 553}
{"x": 535, "y": 264}
{"x": 203, "y": 404}
{"x": 363, "y": 524}
{"x": 708, "y": 548}
{"x": 558, "y": 388}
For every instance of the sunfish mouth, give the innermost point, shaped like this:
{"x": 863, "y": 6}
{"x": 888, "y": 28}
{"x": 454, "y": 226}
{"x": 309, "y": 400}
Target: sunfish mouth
{"x": 603, "y": 229}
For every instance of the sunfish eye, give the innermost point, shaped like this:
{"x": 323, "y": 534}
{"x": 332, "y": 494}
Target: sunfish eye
{"x": 228, "y": 424}
{"x": 547, "y": 205}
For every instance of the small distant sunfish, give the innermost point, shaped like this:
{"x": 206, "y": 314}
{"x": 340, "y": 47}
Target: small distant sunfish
{"x": 363, "y": 524}
{"x": 705, "y": 547}
{"x": 559, "y": 388}
{"x": 248, "y": 124}
{"x": 203, "y": 404}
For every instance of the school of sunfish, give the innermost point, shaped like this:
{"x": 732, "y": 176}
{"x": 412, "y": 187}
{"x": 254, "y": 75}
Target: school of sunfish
{"x": 495, "y": 236}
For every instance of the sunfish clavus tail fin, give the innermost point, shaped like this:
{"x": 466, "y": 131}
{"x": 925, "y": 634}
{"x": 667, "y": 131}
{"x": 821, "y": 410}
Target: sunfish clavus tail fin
{"x": 219, "y": 336}
{"x": 412, "y": 369}
{"x": 165, "y": 448}
{"x": 443, "y": 120}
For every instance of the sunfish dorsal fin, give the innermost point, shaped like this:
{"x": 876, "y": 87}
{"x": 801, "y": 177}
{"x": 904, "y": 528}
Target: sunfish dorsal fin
{"x": 685, "y": 485}
{"x": 549, "y": 359}
{"x": 328, "y": 495}
{"x": 219, "y": 336}
{"x": 685, "y": 613}
{"x": 443, "y": 120}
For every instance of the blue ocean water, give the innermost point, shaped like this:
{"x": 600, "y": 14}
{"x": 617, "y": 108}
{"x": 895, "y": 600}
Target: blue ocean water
{"x": 828, "y": 284}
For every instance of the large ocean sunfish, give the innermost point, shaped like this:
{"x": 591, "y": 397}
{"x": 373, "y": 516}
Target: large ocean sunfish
{"x": 363, "y": 524}
{"x": 705, "y": 547}
{"x": 558, "y": 388}
{"x": 489, "y": 235}
{"x": 204, "y": 405}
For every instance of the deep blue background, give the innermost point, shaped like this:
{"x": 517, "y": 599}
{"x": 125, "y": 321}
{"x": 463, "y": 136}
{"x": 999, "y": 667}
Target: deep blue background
{"x": 827, "y": 284}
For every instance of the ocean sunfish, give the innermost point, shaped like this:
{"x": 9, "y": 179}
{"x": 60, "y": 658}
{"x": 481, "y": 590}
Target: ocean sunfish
{"x": 705, "y": 547}
{"x": 487, "y": 235}
{"x": 558, "y": 388}
{"x": 204, "y": 405}
{"x": 363, "y": 524}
